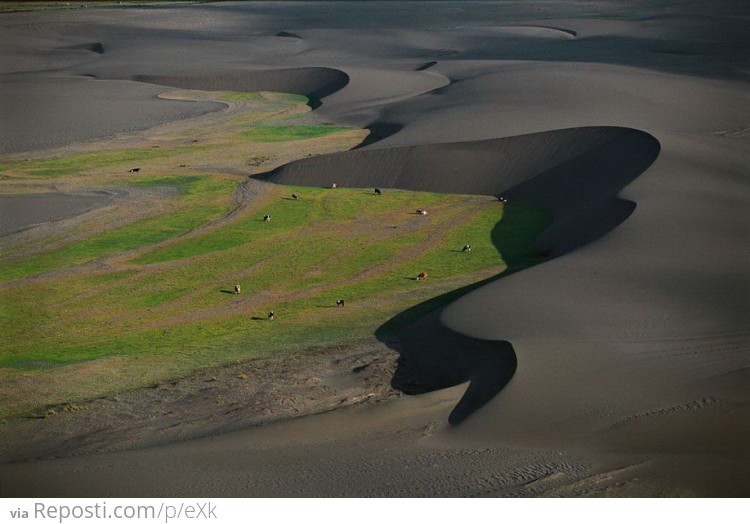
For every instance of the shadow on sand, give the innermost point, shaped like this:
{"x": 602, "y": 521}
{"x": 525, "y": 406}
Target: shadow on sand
{"x": 432, "y": 356}
{"x": 581, "y": 195}
{"x": 574, "y": 174}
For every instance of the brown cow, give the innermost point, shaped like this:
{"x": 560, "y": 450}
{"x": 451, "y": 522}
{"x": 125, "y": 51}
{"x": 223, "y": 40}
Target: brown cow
{"x": 422, "y": 276}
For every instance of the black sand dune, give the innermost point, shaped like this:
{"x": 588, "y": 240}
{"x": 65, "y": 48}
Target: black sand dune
{"x": 379, "y": 131}
{"x": 629, "y": 343}
{"x": 488, "y": 167}
{"x": 433, "y": 357}
{"x": 575, "y": 173}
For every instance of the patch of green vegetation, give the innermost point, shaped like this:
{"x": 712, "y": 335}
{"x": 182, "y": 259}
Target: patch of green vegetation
{"x": 194, "y": 207}
{"x": 330, "y": 244}
{"x": 242, "y": 96}
{"x": 289, "y": 217}
{"x": 160, "y": 299}
{"x": 284, "y": 98}
{"x": 77, "y": 164}
{"x": 289, "y": 133}
{"x": 165, "y": 181}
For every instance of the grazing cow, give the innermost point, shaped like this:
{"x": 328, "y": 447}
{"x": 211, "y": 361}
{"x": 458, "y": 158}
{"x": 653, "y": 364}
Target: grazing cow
{"x": 378, "y": 191}
{"x": 502, "y": 199}
{"x": 266, "y": 218}
{"x": 237, "y": 289}
{"x": 183, "y": 165}
{"x": 340, "y": 302}
{"x": 467, "y": 248}
{"x": 421, "y": 212}
{"x": 334, "y": 186}
{"x": 294, "y": 196}
{"x": 271, "y": 315}
{"x": 134, "y": 170}
{"x": 422, "y": 276}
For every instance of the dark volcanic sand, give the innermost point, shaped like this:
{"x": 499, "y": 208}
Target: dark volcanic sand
{"x": 631, "y": 341}
{"x": 21, "y": 211}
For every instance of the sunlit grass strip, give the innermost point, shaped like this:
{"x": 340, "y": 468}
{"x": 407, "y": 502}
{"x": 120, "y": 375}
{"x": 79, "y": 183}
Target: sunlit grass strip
{"x": 86, "y": 162}
{"x": 201, "y": 200}
{"x": 289, "y": 133}
{"x": 160, "y": 302}
{"x": 130, "y": 312}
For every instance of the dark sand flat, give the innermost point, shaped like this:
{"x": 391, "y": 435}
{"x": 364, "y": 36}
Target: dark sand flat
{"x": 21, "y": 211}
{"x": 616, "y": 367}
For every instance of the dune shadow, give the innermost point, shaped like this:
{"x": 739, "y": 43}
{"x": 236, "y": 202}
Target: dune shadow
{"x": 426, "y": 65}
{"x": 574, "y": 175}
{"x": 379, "y": 131}
{"x": 313, "y": 82}
{"x": 287, "y": 34}
{"x": 433, "y": 357}
{"x": 581, "y": 195}
{"x": 94, "y": 47}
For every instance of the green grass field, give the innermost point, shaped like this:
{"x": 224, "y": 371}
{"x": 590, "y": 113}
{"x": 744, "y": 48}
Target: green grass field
{"x": 288, "y": 133}
{"x": 123, "y": 305}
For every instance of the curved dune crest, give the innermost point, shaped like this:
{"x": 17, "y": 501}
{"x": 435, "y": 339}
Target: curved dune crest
{"x": 535, "y": 31}
{"x": 487, "y": 167}
{"x": 314, "y": 82}
{"x": 627, "y": 373}
{"x": 575, "y": 174}
{"x": 286, "y": 34}
{"x": 94, "y": 47}
{"x": 379, "y": 131}
{"x": 426, "y": 65}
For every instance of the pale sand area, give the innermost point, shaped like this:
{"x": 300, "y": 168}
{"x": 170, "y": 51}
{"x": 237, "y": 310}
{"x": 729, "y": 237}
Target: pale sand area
{"x": 631, "y": 342}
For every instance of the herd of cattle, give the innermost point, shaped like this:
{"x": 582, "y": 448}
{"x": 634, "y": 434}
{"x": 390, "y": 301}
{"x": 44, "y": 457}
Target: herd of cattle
{"x": 340, "y": 302}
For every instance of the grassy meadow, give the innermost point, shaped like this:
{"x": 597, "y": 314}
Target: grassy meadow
{"x": 142, "y": 290}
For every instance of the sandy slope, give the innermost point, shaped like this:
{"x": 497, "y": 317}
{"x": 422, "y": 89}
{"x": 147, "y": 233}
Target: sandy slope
{"x": 631, "y": 343}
